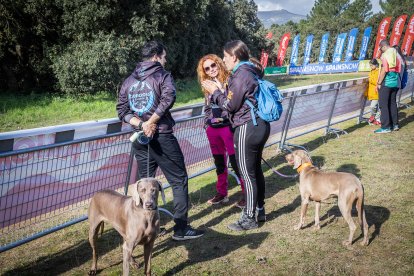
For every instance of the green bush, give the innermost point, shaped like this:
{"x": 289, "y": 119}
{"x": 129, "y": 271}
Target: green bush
{"x": 92, "y": 66}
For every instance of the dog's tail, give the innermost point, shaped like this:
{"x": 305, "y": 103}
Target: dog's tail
{"x": 361, "y": 215}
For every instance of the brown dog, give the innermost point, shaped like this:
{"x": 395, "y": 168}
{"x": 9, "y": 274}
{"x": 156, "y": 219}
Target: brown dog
{"x": 318, "y": 186}
{"x": 136, "y": 218}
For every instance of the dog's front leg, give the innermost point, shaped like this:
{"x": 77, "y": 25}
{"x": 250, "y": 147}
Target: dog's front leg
{"x": 317, "y": 210}
{"x": 147, "y": 257}
{"x": 127, "y": 254}
{"x": 303, "y": 209}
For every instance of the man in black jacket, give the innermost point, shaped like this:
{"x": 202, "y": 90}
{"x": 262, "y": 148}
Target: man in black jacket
{"x": 144, "y": 102}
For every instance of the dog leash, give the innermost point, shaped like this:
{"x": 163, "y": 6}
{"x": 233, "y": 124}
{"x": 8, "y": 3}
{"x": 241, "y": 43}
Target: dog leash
{"x": 148, "y": 161}
{"x": 278, "y": 173}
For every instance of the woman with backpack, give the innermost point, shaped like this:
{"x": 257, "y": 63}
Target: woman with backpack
{"x": 249, "y": 139}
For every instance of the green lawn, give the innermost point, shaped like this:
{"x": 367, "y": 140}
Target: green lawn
{"x": 41, "y": 110}
{"x": 383, "y": 162}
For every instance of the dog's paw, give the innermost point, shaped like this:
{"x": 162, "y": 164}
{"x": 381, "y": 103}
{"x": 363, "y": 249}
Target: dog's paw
{"x": 317, "y": 227}
{"x": 298, "y": 227}
{"x": 92, "y": 272}
{"x": 364, "y": 242}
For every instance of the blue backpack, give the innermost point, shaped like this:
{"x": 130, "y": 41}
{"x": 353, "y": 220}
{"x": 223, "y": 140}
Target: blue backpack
{"x": 269, "y": 102}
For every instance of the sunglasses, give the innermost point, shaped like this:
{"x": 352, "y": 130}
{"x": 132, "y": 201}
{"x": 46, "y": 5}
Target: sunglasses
{"x": 207, "y": 69}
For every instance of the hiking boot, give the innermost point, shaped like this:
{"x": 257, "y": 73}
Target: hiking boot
{"x": 218, "y": 198}
{"x": 261, "y": 215}
{"x": 396, "y": 128}
{"x": 188, "y": 233}
{"x": 383, "y": 130}
{"x": 244, "y": 223}
{"x": 241, "y": 203}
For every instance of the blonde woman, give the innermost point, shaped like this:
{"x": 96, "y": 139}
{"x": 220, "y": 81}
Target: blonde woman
{"x": 218, "y": 128}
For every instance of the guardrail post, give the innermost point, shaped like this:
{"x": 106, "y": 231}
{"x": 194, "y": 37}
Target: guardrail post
{"x": 361, "y": 113}
{"x": 286, "y": 123}
{"x": 128, "y": 177}
{"x": 328, "y": 127}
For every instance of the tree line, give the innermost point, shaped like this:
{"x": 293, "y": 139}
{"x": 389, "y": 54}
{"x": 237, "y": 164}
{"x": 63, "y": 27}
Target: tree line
{"x": 87, "y": 46}
{"x": 335, "y": 17}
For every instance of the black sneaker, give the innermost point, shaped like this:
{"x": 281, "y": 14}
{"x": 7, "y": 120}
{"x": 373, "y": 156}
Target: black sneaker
{"x": 188, "y": 233}
{"x": 244, "y": 223}
{"x": 261, "y": 214}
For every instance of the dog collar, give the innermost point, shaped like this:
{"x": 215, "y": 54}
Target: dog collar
{"x": 304, "y": 165}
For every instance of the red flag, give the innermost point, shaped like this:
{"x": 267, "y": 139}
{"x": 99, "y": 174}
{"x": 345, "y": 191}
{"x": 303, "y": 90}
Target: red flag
{"x": 408, "y": 37}
{"x": 381, "y": 35}
{"x": 269, "y": 35}
{"x": 284, "y": 43}
{"x": 397, "y": 30}
{"x": 264, "y": 58}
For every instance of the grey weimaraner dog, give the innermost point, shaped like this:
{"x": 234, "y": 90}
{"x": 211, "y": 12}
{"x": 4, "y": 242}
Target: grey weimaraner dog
{"x": 136, "y": 218}
{"x": 318, "y": 186}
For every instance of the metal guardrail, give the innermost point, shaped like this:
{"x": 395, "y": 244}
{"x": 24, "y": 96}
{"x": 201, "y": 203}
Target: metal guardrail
{"x": 46, "y": 188}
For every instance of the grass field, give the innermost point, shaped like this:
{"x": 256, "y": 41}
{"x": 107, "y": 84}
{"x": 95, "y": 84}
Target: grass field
{"x": 40, "y": 110}
{"x": 384, "y": 163}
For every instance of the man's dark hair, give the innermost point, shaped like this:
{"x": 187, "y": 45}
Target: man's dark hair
{"x": 152, "y": 48}
{"x": 384, "y": 43}
{"x": 237, "y": 48}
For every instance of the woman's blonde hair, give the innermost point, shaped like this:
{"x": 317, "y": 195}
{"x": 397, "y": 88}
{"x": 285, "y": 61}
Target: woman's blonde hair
{"x": 202, "y": 76}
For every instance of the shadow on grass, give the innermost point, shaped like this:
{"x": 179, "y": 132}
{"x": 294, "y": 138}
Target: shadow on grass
{"x": 404, "y": 119}
{"x": 211, "y": 246}
{"x": 71, "y": 257}
{"x": 376, "y": 216}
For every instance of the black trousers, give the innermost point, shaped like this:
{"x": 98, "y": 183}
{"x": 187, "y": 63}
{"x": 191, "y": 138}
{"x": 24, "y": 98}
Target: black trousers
{"x": 249, "y": 141}
{"x": 165, "y": 152}
{"x": 388, "y": 106}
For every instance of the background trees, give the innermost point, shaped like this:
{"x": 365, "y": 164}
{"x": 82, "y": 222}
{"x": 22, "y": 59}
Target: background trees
{"x": 339, "y": 16}
{"x": 88, "y": 46}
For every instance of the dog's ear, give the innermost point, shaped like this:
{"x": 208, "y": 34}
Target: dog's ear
{"x": 297, "y": 161}
{"x": 134, "y": 193}
{"x": 161, "y": 189}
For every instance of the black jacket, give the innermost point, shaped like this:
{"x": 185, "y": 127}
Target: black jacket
{"x": 149, "y": 89}
{"x": 242, "y": 85}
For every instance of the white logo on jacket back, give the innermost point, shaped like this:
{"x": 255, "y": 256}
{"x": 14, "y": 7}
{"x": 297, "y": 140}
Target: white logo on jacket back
{"x": 141, "y": 97}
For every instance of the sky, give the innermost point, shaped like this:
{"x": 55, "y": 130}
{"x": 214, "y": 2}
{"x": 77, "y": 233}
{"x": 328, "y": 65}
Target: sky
{"x": 301, "y": 7}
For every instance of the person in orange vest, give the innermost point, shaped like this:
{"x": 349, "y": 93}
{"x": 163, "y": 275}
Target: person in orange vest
{"x": 372, "y": 92}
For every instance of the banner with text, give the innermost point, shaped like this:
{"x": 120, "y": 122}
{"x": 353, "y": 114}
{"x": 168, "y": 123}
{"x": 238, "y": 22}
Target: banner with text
{"x": 324, "y": 46}
{"x": 308, "y": 49}
{"x": 276, "y": 70}
{"x": 364, "y": 43}
{"x": 408, "y": 37}
{"x": 397, "y": 30}
{"x": 324, "y": 68}
{"x": 339, "y": 47}
{"x": 351, "y": 44}
{"x": 295, "y": 48}
{"x": 284, "y": 43}
{"x": 381, "y": 35}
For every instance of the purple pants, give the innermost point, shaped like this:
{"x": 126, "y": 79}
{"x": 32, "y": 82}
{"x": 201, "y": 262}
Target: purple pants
{"x": 221, "y": 144}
